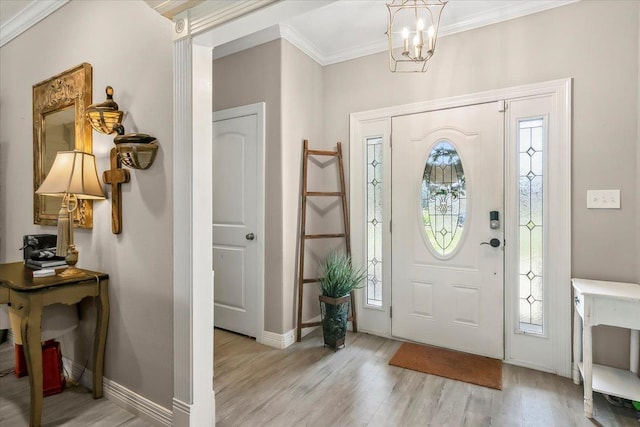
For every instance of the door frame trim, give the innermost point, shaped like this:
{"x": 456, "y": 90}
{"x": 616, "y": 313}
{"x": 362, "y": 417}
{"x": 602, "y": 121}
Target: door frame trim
{"x": 381, "y": 119}
{"x": 259, "y": 110}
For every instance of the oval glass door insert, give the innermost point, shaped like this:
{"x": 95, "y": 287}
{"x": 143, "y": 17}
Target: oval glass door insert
{"x": 443, "y": 198}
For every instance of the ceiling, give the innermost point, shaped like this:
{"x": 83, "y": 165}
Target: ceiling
{"x": 341, "y": 30}
{"x": 347, "y": 29}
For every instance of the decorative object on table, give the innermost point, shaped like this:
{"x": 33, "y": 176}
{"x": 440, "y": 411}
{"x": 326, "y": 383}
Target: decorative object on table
{"x": 45, "y": 271}
{"x": 73, "y": 177}
{"x": 135, "y": 150}
{"x": 408, "y": 20}
{"x": 338, "y": 279}
{"x": 39, "y": 251}
{"x": 38, "y": 246}
{"x": 59, "y": 124}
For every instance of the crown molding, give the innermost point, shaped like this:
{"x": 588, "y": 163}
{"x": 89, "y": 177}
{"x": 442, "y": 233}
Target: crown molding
{"x": 290, "y": 34}
{"x": 211, "y": 14}
{"x": 170, "y": 8}
{"x": 480, "y": 20}
{"x": 280, "y": 31}
{"x": 501, "y": 14}
{"x": 252, "y": 40}
{"x": 33, "y": 13}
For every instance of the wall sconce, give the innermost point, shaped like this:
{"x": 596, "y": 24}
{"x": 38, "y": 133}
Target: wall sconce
{"x": 135, "y": 150}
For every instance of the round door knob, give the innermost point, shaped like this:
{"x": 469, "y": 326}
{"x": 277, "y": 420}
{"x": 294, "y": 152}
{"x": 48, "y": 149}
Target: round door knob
{"x": 494, "y": 243}
{"x": 250, "y": 236}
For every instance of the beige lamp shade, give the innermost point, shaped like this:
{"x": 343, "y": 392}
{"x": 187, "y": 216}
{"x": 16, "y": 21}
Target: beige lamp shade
{"x": 73, "y": 172}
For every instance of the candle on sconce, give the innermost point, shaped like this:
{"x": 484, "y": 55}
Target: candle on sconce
{"x": 417, "y": 47}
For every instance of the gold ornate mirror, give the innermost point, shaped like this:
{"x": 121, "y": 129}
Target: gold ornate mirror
{"x": 59, "y": 124}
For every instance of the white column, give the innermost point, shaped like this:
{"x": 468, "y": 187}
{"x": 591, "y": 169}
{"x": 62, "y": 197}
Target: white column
{"x": 193, "y": 401}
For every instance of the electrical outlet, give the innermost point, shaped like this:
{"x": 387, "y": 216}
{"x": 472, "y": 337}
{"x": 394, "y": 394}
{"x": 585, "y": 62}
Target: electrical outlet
{"x": 603, "y": 199}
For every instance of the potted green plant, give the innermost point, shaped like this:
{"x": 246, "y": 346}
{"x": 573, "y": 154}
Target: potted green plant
{"x": 338, "y": 278}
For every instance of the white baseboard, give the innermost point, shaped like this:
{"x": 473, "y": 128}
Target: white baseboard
{"x": 282, "y": 341}
{"x": 138, "y": 405}
{"x": 279, "y": 341}
{"x": 529, "y": 365}
{"x": 181, "y": 413}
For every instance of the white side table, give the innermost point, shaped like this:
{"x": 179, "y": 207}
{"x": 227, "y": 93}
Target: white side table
{"x": 605, "y": 303}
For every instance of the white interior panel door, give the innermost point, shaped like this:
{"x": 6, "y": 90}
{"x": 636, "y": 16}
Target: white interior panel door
{"x": 447, "y": 176}
{"x": 235, "y": 219}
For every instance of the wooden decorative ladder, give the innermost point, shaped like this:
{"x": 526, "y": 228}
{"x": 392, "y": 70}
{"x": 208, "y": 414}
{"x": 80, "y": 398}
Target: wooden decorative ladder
{"x": 304, "y": 236}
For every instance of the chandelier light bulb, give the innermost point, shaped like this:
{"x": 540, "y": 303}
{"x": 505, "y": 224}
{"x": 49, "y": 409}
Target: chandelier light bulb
{"x": 431, "y": 32}
{"x": 419, "y": 29}
{"x": 405, "y": 41}
{"x": 417, "y": 43}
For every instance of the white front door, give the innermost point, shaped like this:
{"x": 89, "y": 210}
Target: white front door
{"x": 447, "y": 176}
{"x": 237, "y": 241}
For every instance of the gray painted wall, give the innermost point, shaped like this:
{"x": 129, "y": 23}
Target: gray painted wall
{"x": 557, "y": 43}
{"x": 290, "y": 83}
{"x": 301, "y": 119}
{"x": 135, "y": 57}
{"x": 247, "y": 77}
{"x": 604, "y": 68}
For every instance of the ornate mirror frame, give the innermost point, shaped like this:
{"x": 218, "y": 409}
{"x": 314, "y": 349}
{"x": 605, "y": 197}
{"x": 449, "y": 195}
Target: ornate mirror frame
{"x": 69, "y": 89}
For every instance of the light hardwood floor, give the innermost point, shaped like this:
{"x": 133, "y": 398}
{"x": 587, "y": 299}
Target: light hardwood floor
{"x": 308, "y": 385}
{"x": 75, "y": 407}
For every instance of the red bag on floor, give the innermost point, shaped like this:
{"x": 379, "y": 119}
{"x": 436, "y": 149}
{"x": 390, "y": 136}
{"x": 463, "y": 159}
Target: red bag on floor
{"x": 52, "y": 375}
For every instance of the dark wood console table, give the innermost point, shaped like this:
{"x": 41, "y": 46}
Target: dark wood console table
{"x": 27, "y": 296}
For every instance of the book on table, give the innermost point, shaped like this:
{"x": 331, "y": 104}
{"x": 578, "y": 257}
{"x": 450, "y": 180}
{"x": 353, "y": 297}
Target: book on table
{"x": 38, "y": 264}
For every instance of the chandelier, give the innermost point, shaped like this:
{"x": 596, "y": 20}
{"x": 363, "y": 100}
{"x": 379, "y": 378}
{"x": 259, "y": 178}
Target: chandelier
{"x": 416, "y": 22}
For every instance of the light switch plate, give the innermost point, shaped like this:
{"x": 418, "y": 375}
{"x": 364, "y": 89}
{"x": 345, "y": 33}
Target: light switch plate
{"x": 603, "y": 199}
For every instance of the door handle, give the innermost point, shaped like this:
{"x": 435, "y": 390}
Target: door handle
{"x": 494, "y": 243}
{"x": 250, "y": 236}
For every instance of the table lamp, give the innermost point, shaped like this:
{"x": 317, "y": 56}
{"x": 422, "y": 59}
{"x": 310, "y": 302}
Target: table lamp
{"x": 73, "y": 176}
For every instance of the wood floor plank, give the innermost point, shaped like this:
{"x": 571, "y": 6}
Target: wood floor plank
{"x": 309, "y": 385}
{"x": 74, "y": 407}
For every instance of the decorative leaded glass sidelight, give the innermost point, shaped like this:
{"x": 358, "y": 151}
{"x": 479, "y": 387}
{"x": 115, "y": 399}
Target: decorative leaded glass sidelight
{"x": 374, "y": 221}
{"x": 443, "y": 198}
{"x": 530, "y": 204}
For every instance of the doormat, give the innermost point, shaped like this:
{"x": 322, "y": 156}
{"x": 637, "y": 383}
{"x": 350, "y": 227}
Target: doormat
{"x": 456, "y": 365}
